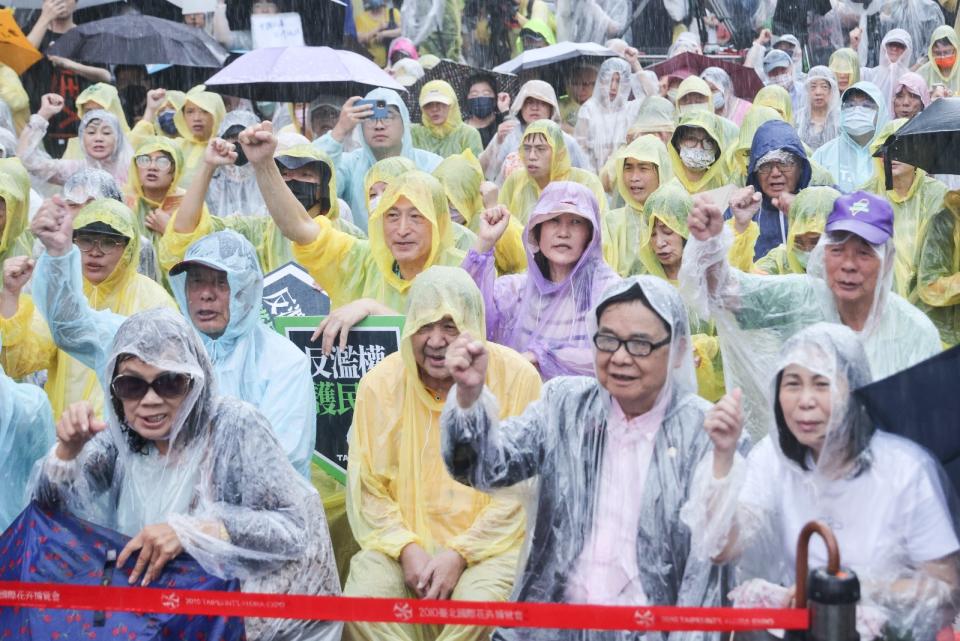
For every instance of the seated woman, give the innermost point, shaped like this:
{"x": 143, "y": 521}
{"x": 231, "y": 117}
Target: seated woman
{"x": 181, "y": 469}
{"x": 102, "y": 142}
{"x": 881, "y": 494}
{"x": 543, "y": 313}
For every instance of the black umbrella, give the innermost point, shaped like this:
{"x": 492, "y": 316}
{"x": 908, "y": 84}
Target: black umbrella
{"x": 929, "y": 140}
{"x": 459, "y": 76}
{"x": 921, "y": 403}
{"x": 133, "y": 39}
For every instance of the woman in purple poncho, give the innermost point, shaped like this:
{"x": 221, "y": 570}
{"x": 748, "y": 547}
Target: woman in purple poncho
{"x": 542, "y": 313}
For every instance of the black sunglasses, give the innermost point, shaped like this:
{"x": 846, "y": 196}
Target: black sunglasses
{"x": 166, "y": 385}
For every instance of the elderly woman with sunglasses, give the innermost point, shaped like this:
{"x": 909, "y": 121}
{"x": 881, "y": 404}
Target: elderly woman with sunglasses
{"x": 182, "y": 469}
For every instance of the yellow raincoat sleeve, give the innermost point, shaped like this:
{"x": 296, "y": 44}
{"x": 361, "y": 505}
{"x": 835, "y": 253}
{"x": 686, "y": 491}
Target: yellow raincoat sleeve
{"x": 174, "y": 245}
{"x": 27, "y": 344}
{"x": 375, "y": 516}
{"x": 509, "y": 254}
{"x": 741, "y": 252}
{"x": 332, "y": 256}
{"x": 706, "y": 351}
{"x": 140, "y": 132}
{"x": 938, "y": 275}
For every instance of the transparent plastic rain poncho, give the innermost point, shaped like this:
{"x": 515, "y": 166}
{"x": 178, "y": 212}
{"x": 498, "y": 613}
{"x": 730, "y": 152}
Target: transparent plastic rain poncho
{"x": 15, "y": 236}
{"x": 224, "y": 469}
{"x": 31, "y": 340}
{"x": 26, "y": 435}
{"x": 353, "y": 166}
{"x": 191, "y": 145}
{"x": 251, "y": 361}
{"x": 911, "y": 213}
{"x": 105, "y": 95}
{"x": 433, "y": 26}
{"x": 914, "y": 84}
{"x": 461, "y": 176}
{"x": 591, "y": 20}
{"x": 398, "y": 490}
{"x": 451, "y": 137}
{"x": 627, "y": 226}
{"x": 778, "y": 99}
{"x": 717, "y": 174}
{"x": 571, "y": 440}
{"x": 603, "y": 122}
{"x": 931, "y": 73}
{"x": 498, "y": 156}
{"x": 8, "y": 143}
{"x": 938, "y": 282}
{"x": 808, "y": 214}
{"x": 520, "y": 192}
{"x": 755, "y": 314}
{"x": 531, "y": 313}
{"x": 919, "y": 18}
{"x": 655, "y": 115}
{"x": 366, "y": 268}
{"x": 886, "y": 499}
{"x": 734, "y": 108}
{"x": 233, "y": 190}
{"x": 43, "y": 168}
{"x": 814, "y": 134}
{"x": 142, "y": 206}
{"x": 887, "y": 74}
{"x": 91, "y": 183}
{"x": 850, "y": 163}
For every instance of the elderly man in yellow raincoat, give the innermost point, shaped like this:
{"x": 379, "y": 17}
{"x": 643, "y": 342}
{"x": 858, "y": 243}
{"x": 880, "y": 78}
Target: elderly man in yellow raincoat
{"x": 422, "y": 534}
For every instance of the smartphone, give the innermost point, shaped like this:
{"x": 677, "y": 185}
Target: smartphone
{"x": 380, "y": 109}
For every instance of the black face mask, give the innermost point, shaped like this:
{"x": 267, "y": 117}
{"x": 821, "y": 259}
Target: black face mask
{"x": 305, "y": 193}
{"x": 482, "y": 106}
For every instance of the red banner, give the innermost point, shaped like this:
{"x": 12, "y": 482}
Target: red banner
{"x": 325, "y": 608}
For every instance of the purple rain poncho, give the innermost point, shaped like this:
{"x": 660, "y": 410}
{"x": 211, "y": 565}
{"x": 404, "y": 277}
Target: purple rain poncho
{"x": 530, "y": 313}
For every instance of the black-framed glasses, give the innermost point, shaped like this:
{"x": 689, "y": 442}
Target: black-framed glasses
{"x": 167, "y": 385}
{"x": 635, "y": 346}
{"x": 105, "y": 244}
{"x": 160, "y": 162}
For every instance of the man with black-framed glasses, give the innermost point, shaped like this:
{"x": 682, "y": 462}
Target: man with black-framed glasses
{"x": 613, "y": 456}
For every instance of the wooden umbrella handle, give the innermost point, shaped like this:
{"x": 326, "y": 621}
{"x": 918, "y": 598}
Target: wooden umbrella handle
{"x": 803, "y": 544}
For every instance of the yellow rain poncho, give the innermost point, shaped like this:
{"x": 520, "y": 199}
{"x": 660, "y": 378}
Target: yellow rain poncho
{"x": 142, "y": 206}
{"x": 671, "y": 205}
{"x": 273, "y": 250}
{"x": 846, "y": 60}
{"x": 27, "y": 344}
{"x": 349, "y": 268}
{"x": 100, "y": 96}
{"x": 399, "y": 490}
{"x": 778, "y": 99}
{"x": 13, "y": 93}
{"x": 656, "y": 115}
{"x": 626, "y": 226}
{"x": 697, "y": 85}
{"x": 15, "y": 236}
{"x": 716, "y": 175}
{"x": 461, "y": 176}
{"x": 808, "y": 213}
{"x": 520, "y": 192}
{"x": 911, "y": 213}
{"x": 453, "y": 136}
{"x": 938, "y": 272}
{"x": 931, "y": 73}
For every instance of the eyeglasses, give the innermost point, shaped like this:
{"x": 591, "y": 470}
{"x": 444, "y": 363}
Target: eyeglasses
{"x": 690, "y": 142}
{"x": 167, "y": 385}
{"x": 160, "y": 162}
{"x": 635, "y": 346}
{"x": 104, "y": 244}
{"x": 389, "y": 119}
{"x": 783, "y": 166}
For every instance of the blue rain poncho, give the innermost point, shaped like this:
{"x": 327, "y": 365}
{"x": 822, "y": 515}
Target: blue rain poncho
{"x": 851, "y": 164}
{"x": 353, "y": 166}
{"x": 251, "y": 361}
{"x": 26, "y": 435}
{"x": 223, "y": 471}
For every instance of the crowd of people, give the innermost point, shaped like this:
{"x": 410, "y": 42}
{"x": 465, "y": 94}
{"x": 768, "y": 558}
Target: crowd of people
{"x": 636, "y": 310}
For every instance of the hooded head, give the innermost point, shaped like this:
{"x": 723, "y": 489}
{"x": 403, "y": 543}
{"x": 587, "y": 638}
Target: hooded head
{"x": 380, "y": 138}
{"x": 707, "y": 154}
{"x": 634, "y": 181}
{"x": 558, "y": 199}
{"x": 308, "y": 163}
{"x": 649, "y": 311}
{"x": 120, "y": 220}
{"x": 152, "y": 145}
{"x": 401, "y": 48}
{"x": 209, "y": 102}
{"x": 443, "y": 99}
{"x": 756, "y": 116}
{"x": 390, "y": 237}
{"x": 230, "y": 253}
{"x": 536, "y": 34}
{"x": 538, "y": 90}
{"x": 560, "y": 157}
{"x": 900, "y": 47}
{"x": 613, "y": 84}
{"x": 384, "y": 171}
{"x": 438, "y": 295}
{"x": 694, "y": 94}
{"x": 778, "y": 136}
{"x": 778, "y": 68}
{"x": 943, "y": 63}
{"x": 877, "y": 182}
{"x": 90, "y": 184}
{"x": 15, "y": 192}
{"x": 670, "y": 205}
{"x": 723, "y": 98}
{"x": 814, "y": 406}
{"x": 776, "y": 98}
{"x": 915, "y": 85}
{"x": 657, "y": 116}
{"x": 857, "y": 115}
{"x": 461, "y": 176}
{"x": 817, "y": 77}
{"x": 99, "y": 120}
{"x": 845, "y": 65}
{"x": 102, "y": 96}
{"x": 808, "y": 216}
{"x": 162, "y": 339}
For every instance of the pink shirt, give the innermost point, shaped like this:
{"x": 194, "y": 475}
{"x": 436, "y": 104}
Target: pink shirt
{"x": 606, "y": 573}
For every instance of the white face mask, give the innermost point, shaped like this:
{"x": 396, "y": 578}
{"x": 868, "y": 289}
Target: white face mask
{"x": 672, "y": 96}
{"x": 696, "y": 158}
{"x": 803, "y": 257}
{"x": 859, "y": 120}
{"x": 718, "y": 101}
{"x": 785, "y": 81}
